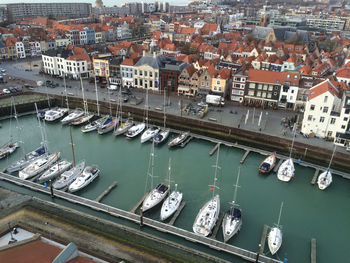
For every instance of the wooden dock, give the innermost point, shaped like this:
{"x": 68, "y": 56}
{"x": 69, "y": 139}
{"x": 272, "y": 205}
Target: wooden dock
{"x": 148, "y": 222}
{"x": 275, "y": 169}
{"x": 313, "y": 250}
{"x": 314, "y": 178}
{"x": 214, "y": 149}
{"x": 217, "y": 226}
{"x": 182, "y": 145}
{"x": 138, "y": 204}
{"x": 106, "y": 192}
{"x": 245, "y": 156}
{"x": 177, "y": 213}
{"x": 263, "y": 239}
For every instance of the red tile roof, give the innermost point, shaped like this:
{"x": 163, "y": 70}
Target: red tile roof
{"x": 130, "y": 61}
{"x": 323, "y": 87}
{"x": 273, "y": 77}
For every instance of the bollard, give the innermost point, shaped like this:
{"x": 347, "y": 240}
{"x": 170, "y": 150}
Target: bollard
{"x": 141, "y": 217}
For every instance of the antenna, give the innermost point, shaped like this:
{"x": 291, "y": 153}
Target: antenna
{"x": 146, "y": 106}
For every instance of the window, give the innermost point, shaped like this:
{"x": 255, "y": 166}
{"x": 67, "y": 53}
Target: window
{"x": 150, "y": 83}
{"x": 325, "y": 109}
{"x": 309, "y": 118}
{"x": 140, "y": 82}
{"x": 150, "y": 74}
{"x": 135, "y": 82}
{"x": 346, "y": 119}
{"x": 332, "y": 120}
{"x": 135, "y": 72}
{"x": 145, "y": 72}
{"x": 156, "y": 74}
{"x": 140, "y": 72}
{"x": 325, "y": 99}
{"x": 288, "y": 76}
{"x": 322, "y": 119}
{"x": 251, "y": 92}
{"x": 312, "y": 107}
{"x": 218, "y": 82}
{"x": 329, "y": 134}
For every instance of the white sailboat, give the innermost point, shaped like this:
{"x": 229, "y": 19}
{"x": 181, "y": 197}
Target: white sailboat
{"x": 123, "y": 125}
{"x": 232, "y": 221}
{"x": 274, "y": 239}
{"x": 178, "y": 139}
{"x": 93, "y": 126}
{"x": 163, "y": 134}
{"x": 135, "y": 130}
{"x": 88, "y": 176}
{"x": 110, "y": 124}
{"x": 54, "y": 171}
{"x": 150, "y": 131}
{"x": 172, "y": 202}
{"x": 76, "y": 114}
{"x": 156, "y": 195}
{"x": 325, "y": 178}
{"x": 209, "y": 213}
{"x": 286, "y": 170}
{"x": 55, "y": 114}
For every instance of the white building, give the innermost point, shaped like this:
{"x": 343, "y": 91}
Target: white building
{"x": 327, "y": 110}
{"x": 83, "y": 38}
{"x": 127, "y": 72}
{"x": 21, "y": 53}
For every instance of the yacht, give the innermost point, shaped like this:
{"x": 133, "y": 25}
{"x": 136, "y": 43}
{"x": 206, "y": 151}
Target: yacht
{"x": 38, "y": 166}
{"x": 161, "y": 136}
{"x": 83, "y": 119}
{"x": 108, "y": 125}
{"x": 124, "y": 127}
{"x": 179, "y": 139}
{"x": 324, "y": 179}
{"x": 54, "y": 171}
{"x": 76, "y": 114}
{"x": 268, "y": 164}
{"x": 149, "y": 133}
{"x": 89, "y": 174}
{"x": 274, "y": 238}
{"x": 7, "y": 149}
{"x": 135, "y": 130}
{"x": 171, "y": 204}
{"x": 55, "y": 114}
{"x": 94, "y": 125}
{"x": 155, "y": 197}
{"x": 26, "y": 160}
{"x": 286, "y": 170}
{"x": 69, "y": 176}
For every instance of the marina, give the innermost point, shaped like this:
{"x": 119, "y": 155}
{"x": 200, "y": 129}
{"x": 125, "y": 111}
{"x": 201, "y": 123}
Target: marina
{"x": 194, "y": 181}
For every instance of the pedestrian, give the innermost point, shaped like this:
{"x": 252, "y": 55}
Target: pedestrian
{"x": 239, "y": 125}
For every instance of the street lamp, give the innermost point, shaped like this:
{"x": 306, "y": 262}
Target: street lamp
{"x": 258, "y": 254}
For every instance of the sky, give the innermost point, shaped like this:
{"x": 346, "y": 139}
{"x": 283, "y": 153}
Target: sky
{"x": 105, "y": 2}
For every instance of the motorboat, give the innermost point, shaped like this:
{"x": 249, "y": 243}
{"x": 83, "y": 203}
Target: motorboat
{"x": 8, "y": 149}
{"x": 324, "y": 179}
{"x": 38, "y": 166}
{"x": 135, "y": 130}
{"x": 55, "y": 114}
{"x": 83, "y": 119}
{"x": 179, "y": 139}
{"x": 274, "y": 238}
{"x": 94, "y": 125}
{"x": 268, "y": 164}
{"x": 69, "y": 176}
{"x": 54, "y": 171}
{"x": 89, "y": 174}
{"x": 41, "y": 114}
{"x": 207, "y": 217}
{"x": 26, "y": 160}
{"x": 232, "y": 220}
{"x": 171, "y": 204}
{"x": 149, "y": 133}
{"x": 286, "y": 170}
{"x": 108, "y": 126}
{"x": 156, "y": 196}
{"x": 161, "y": 136}
{"x": 124, "y": 127}
{"x": 76, "y": 114}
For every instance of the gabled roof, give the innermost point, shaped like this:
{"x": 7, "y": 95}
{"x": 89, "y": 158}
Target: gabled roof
{"x": 273, "y": 77}
{"x": 129, "y": 61}
{"x": 322, "y": 88}
{"x": 154, "y": 62}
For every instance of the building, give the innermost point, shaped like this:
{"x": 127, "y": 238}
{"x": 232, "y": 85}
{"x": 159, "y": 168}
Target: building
{"x": 101, "y": 67}
{"x": 20, "y": 11}
{"x": 170, "y": 73}
{"x": 221, "y": 82}
{"x": 327, "y": 112}
{"x": 3, "y": 14}
{"x": 115, "y": 77}
{"x": 20, "y": 49}
{"x": 328, "y": 24}
{"x": 127, "y": 71}
{"x": 185, "y": 84}
{"x": 239, "y": 80}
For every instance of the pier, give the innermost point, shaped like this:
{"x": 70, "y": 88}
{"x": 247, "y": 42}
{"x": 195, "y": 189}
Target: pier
{"x": 177, "y": 213}
{"x": 245, "y": 156}
{"x": 217, "y": 225}
{"x": 147, "y": 222}
{"x": 138, "y": 204}
{"x": 275, "y": 169}
{"x": 314, "y": 178}
{"x": 106, "y": 192}
{"x": 313, "y": 250}
{"x": 263, "y": 239}
{"x": 182, "y": 145}
{"x": 214, "y": 149}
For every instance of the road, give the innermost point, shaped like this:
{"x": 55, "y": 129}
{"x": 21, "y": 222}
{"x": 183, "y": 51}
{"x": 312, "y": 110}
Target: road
{"x": 235, "y": 115}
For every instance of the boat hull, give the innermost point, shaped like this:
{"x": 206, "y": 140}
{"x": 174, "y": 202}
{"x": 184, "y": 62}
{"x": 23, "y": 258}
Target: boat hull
{"x": 286, "y": 171}
{"x": 170, "y": 205}
{"x": 178, "y": 140}
{"x": 8, "y": 149}
{"x": 69, "y": 176}
{"x": 135, "y": 130}
{"x": 161, "y": 137}
{"x": 274, "y": 240}
{"x": 109, "y": 127}
{"x": 149, "y": 134}
{"x": 123, "y": 128}
{"x": 83, "y": 119}
{"x": 54, "y": 171}
{"x": 76, "y": 185}
{"x": 268, "y": 164}
{"x": 27, "y": 160}
{"x": 324, "y": 180}
{"x": 231, "y": 223}
{"x": 156, "y": 196}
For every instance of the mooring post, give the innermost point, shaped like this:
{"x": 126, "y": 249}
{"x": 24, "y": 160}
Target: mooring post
{"x": 51, "y": 189}
{"x": 141, "y": 217}
{"x": 258, "y": 254}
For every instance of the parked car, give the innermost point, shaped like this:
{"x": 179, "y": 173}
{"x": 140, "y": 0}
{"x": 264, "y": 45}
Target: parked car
{"x": 48, "y": 83}
{"x": 28, "y": 86}
{"x": 3, "y": 70}
{"x": 12, "y": 90}
{"x": 6, "y": 91}
{"x": 19, "y": 88}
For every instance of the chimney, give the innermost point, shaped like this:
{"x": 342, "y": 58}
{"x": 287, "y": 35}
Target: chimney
{"x": 144, "y": 53}
{"x": 154, "y": 54}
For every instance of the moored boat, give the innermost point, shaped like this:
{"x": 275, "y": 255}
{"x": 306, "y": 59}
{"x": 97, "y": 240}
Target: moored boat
{"x": 76, "y": 114}
{"x": 155, "y": 197}
{"x": 274, "y": 239}
{"x": 171, "y": 204}
{"x": 123, "y": 127}
{"x": 268, "y": 164}
{"x": 38, "y": 166}
{"x": 55, "y": 114}
{"x": 89, "y": 174}
{"x": 135, "y": 130}
{"x": 69, "y": 176}
{"x": 108, "y": 126}
{"x": 179, "y": 139}
{"x": 149, "y": 134}
{"x": 94, "y": 125}
{"x": 161, "y": 136}
{"x": 83, "y": 119}
{"x": 54, "y": 171}
{"x": 26, "y": 160}
{"x": 286, "y": 170}
{"x": 7, "y": 149}
{"x": 324, "y": 179}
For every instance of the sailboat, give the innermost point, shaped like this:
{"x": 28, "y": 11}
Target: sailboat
{"x": 124, "y": 125}
{"x": 274, "y": 239}
{"x": 178, "y": 139}
{"x": 268, "y": 164}
{"x": 66, "y": 178}
{"x": 89, "y": 174}
{"x": 325, "y": 178}
{"x": 173, "y": 201}
{"x": 150, "y": 131}
{"x": 286, "y": 170}
{"x": 163, "y": 134}
{"x": 54, "y": 171}
{"x": 87, "y": 116}
{"x": 31, "y": 156}
{"x": 209, "y": 213}
{"x": 111, "y": 122}
{"x": 157, "y": 194}
{"x": 232, "y": 221}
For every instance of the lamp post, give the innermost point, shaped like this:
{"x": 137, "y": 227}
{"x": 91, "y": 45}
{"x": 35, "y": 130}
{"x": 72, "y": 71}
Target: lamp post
{"x": 258, "y": 254}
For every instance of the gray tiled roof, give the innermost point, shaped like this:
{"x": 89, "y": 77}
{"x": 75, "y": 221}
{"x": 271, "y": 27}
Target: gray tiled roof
{"x": 261, "y": 32}
{"x": 154, "y": 62}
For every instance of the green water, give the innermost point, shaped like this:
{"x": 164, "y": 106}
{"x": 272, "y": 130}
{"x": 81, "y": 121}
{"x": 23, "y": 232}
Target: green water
{"x": 308, "y": 212}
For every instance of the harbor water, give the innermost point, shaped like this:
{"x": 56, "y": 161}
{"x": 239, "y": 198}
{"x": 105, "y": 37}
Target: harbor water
{"x": 308, "y": 212}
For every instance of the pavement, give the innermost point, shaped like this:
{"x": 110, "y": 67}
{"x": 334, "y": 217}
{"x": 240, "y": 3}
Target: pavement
{"x": 232, "y": 114}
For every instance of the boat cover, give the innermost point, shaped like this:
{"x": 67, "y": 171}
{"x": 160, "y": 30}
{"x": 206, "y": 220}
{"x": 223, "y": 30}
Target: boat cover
{"x": 265, "y": 166}
{"x": 162, "y": 188}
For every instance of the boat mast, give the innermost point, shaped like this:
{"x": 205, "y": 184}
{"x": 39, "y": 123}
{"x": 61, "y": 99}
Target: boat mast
{"x": 71, "y": 141}
{"x": 164, "y": 116}
{"x": 84, "y": 101}
{"x": 43, "y": 141}
{"x": 65, "y": 90}
{"x": 216, "y": 171}
{"x": 18, "y": 127}
{"x": 236, "y": 187}
{"x": 330, "y": 162}
{"x": 109, "y": 99}
{"x": 146, "y": 106}
{"x": 97, "y": 104}
{"x": 152, "y": 165}
{"x": 279, "y": 217}
{"x": 291, "y": 148}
